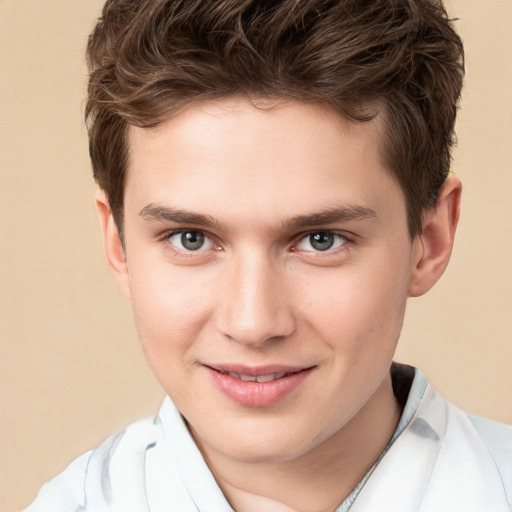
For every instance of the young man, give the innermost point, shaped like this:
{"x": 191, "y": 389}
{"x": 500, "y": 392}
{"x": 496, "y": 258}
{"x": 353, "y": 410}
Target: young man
{"x": 273, "y": 187}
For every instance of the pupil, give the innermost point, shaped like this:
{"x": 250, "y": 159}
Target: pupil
{"x": 321, "y": 241}
{"x": 192, "y": 240}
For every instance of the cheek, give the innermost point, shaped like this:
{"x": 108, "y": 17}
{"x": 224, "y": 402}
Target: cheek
{"x": 170, "y": 311}
{"x": 170, "y": 306}
{"x": 360, "y": 310}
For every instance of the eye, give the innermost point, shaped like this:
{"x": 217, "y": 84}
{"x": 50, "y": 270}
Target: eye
{"x": 321, "y": 241}
{"x": 190, "y": 241}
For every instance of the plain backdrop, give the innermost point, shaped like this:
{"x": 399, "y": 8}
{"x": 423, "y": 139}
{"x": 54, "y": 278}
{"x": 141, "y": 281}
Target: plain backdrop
{"x": 70, "y": 366}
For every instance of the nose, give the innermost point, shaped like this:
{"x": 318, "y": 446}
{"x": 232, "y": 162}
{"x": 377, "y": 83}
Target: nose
{"x": 255, "y": 307}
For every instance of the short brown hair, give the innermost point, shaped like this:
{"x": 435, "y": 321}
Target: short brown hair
{"x": 149, "y": 58}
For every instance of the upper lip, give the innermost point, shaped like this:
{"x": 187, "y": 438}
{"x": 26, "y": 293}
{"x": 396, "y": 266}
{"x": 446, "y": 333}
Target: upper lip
{"x": 256, "y": 370}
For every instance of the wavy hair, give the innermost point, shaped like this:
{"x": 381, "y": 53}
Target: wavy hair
{"x": 149, "y": 58}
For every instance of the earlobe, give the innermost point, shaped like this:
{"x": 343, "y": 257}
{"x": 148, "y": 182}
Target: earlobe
{"x": 432, "y": 248}
{"x": 112, "y": 244}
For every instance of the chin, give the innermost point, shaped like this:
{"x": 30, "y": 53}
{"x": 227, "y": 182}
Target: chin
{"x": 267, "y": 454}
{"x": 260, "y": 445}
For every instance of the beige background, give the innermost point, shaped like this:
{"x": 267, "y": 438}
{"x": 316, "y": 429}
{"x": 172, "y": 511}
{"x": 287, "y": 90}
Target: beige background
{"x": 70, "y": 367}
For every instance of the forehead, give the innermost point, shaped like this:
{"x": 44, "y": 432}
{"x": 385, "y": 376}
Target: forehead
{"x": 276, "y": 158}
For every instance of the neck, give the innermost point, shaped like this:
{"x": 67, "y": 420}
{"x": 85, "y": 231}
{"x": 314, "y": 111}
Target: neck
{"x": 319, "y": 480}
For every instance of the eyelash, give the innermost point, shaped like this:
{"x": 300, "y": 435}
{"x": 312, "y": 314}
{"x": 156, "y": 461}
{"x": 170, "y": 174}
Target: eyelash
{"x": 328, "y": 251}
{"x": 183, "y": 253}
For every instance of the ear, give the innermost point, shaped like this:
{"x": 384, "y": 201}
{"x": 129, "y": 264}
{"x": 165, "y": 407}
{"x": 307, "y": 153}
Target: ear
{"x": 112, "y": 245}
{"x": 433, "y": 247}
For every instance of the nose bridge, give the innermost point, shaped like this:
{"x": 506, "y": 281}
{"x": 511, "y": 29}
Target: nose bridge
{"x": 255, "y": 305}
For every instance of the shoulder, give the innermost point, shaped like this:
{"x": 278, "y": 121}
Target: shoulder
{"x": 497, "y": 438}
{"x": 66, "y": 491}
{"x": 490, "y": 439}
{"x": 86, "y": 483}
{"x": 493, "y": 437}
{"x": 153, "y": 464}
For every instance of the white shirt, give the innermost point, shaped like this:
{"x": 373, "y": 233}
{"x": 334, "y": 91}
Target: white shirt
{"x": 438, "y": 460}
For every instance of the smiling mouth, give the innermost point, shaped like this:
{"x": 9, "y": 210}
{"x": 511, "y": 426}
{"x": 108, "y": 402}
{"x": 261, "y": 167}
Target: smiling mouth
{"x": 263, "y": 375}
{"x": 256, "y": 378}
{"x": 262, "y": 386}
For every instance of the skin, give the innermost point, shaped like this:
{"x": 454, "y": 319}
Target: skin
{"x": 259, "y": 293}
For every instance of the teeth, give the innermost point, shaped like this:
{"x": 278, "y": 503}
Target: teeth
{"x": 247, "y": 378}
{"x": 259, "y": 378}
{"x": 265, "y": 378}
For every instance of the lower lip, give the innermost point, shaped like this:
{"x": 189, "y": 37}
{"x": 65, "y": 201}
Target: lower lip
{"x": 258, "y": 394}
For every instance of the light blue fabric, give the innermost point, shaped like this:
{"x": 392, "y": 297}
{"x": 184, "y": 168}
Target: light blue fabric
{"x": 437, "y": 460}
{"x": 418, "y": 387}
{"x": 497, "y": 437}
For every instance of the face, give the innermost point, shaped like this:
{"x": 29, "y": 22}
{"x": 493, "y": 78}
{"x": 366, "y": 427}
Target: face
{"x": 268, "y": 262}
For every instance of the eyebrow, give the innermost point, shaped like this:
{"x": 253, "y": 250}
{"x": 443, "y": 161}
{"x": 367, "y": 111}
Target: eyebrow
{"x": 158, "y": 212}
{"x": 332, "y": 215}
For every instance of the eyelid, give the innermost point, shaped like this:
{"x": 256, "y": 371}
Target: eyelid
{"x": 166, "y": 237}
{"x": 348, "y": 239}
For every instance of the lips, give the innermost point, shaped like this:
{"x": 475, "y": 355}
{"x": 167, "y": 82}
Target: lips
{"x": 269, "y": 377}
{"x": 257, "y": 386}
